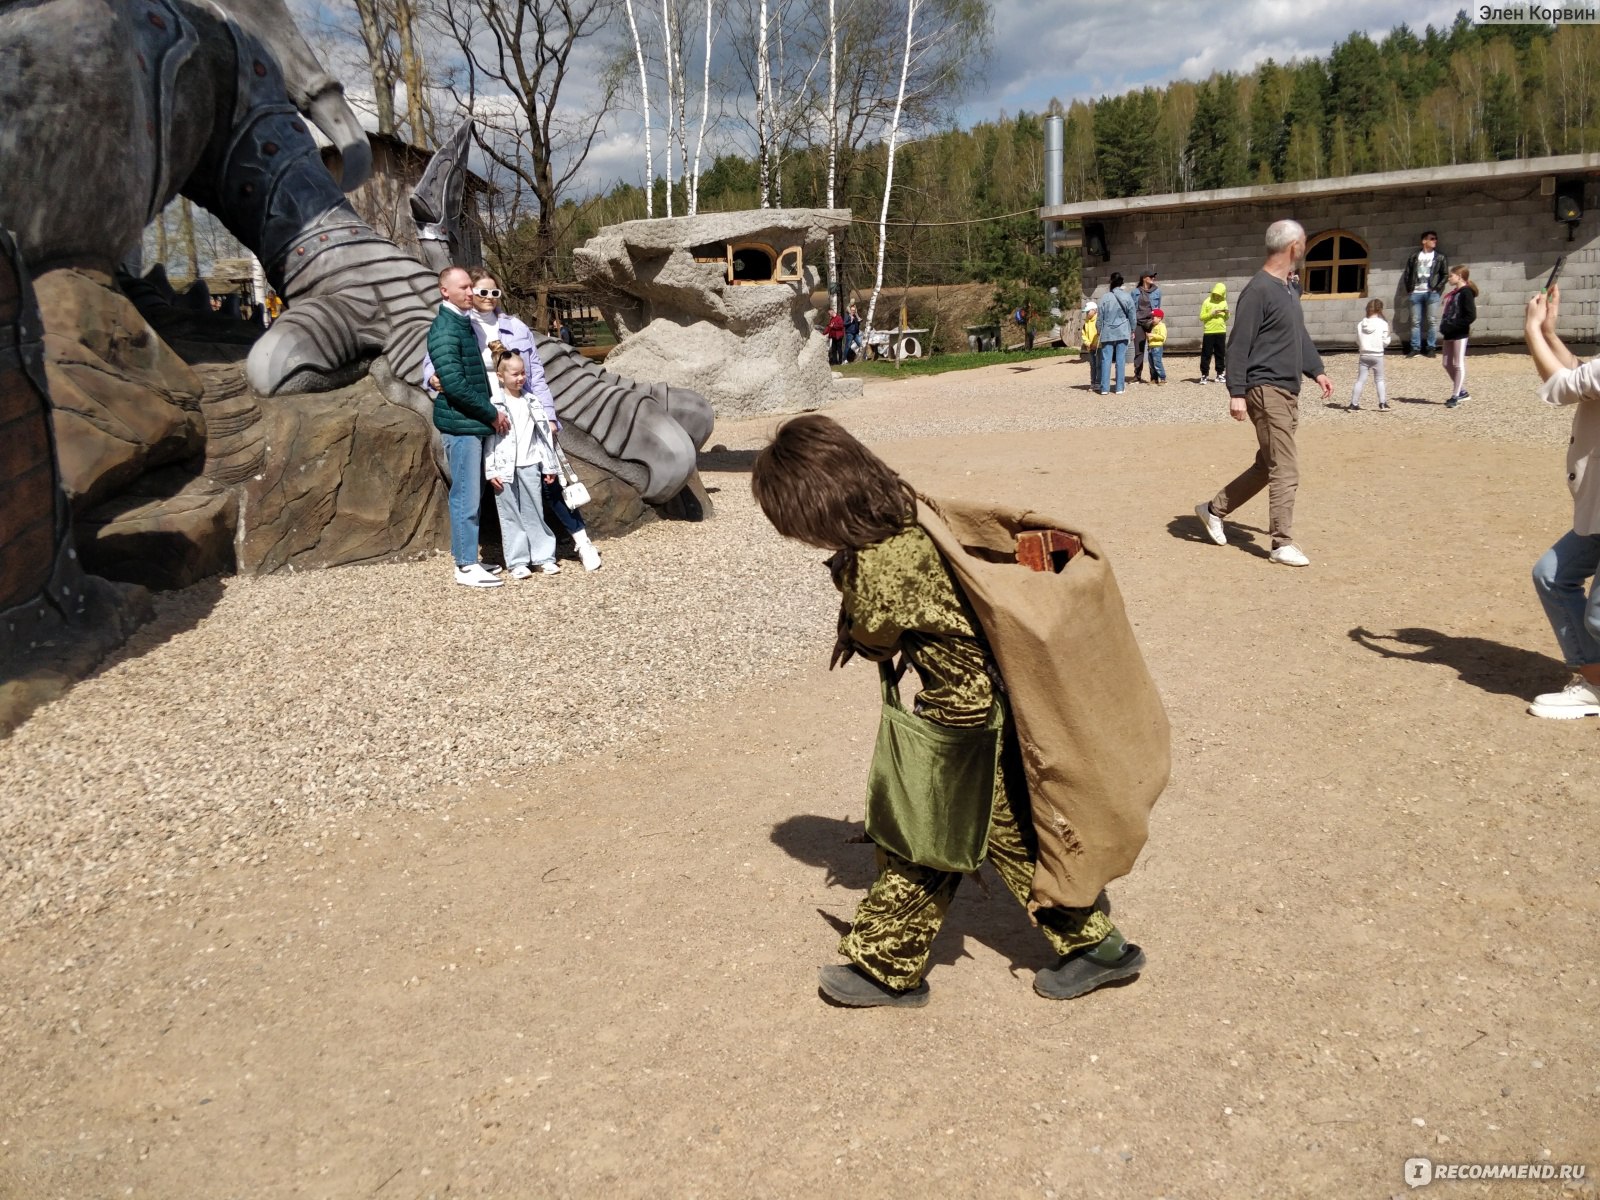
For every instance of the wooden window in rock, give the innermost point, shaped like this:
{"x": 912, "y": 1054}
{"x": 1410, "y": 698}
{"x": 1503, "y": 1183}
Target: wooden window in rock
{"x": 1336, "y": 266}
{"x": 757, "y": 262}
{"x": 751, "y": 262}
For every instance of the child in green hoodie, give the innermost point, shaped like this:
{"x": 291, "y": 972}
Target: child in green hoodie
{"x": 1214, "y": 332}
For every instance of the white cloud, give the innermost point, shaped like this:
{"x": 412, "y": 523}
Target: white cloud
{"x": 1041, "y": 53}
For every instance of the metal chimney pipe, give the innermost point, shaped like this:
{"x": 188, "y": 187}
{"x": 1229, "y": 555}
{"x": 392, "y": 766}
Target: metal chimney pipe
{"x": 1054, "y": 172}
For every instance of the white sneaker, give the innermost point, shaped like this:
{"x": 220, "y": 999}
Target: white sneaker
{"x": 1580, "y": 698}
{"x": 475, "y": 575}
{"x": 549, "y": 568}
{"x": 521, "y": 571}
{"x": 1289, "y": 556}
{"x": 1211, "y": 523}
{"x": 589, "y": 557}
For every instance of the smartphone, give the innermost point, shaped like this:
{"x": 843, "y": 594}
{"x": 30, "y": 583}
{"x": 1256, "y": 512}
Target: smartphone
{"x": 1555, "y": 273}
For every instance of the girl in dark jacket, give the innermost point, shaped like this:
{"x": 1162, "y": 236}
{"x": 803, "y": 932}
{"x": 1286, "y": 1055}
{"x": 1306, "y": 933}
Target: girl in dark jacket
{"x": 1460, "y": 311}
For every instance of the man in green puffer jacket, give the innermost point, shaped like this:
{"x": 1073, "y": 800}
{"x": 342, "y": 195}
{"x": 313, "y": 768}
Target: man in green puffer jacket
{"x": 1214, "y": 332}
{"x": 464, "y": 416}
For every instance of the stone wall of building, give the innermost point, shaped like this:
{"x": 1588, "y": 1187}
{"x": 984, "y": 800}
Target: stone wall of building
{"x": 1505, "y": 231}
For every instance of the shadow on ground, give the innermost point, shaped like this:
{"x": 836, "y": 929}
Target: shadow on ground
{"x": 727, "y": 460}
{"x": 1187, "y": 529}
{"x": 1496, "y": 668}
{"x": 983, "y": 909}
{"x": 176, "y": 613}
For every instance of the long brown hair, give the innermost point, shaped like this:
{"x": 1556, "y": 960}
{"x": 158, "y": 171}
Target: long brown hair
{"x": 819, "y": 485}
{"x": 1466, "y": 277}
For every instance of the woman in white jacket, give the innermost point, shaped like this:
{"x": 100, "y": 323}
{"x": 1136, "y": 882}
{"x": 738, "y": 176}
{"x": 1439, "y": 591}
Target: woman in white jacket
{"x": 1372, "y": 339}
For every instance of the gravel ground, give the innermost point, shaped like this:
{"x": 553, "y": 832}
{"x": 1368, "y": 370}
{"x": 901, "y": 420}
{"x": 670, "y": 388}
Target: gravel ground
{"x": 255, "y": 702}
{"x": 1054, "y": 394}
{"x": 252, "y": 706}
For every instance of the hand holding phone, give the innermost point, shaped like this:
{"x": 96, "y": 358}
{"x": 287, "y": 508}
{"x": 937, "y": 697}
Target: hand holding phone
{"x": 1555, "y": 273}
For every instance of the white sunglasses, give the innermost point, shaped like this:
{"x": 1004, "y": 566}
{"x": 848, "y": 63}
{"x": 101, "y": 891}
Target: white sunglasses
{"x": 487, "y": 293}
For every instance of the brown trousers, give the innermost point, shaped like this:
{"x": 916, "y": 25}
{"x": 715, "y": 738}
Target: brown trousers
{"x": 1275, "y": 414}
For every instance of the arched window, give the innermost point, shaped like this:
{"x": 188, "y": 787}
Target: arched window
{"x": 757, "y": 262}
{"x": 1336, "y": 266}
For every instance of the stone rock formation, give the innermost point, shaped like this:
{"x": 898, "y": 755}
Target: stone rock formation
{"x": 56, "y": 622}
{"x": 720, "y": 304}
{"x": 124, "y": 403}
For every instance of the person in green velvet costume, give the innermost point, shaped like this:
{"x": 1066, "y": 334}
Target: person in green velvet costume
{"x": 818, "y": 484}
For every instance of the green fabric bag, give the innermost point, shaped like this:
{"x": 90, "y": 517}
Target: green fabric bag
{"x": 930, "y": 791}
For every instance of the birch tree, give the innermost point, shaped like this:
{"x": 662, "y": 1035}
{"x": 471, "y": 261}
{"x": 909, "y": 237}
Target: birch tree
{"x": 705, "y": 112}
{"x": 763, "y": 99}
{"x": 666, "y": 63}
{"x": 888, "y": 177}
{"x": 833, "y": 149}
{"x": 644, "y": 100}
{"x": 871, "y": 52}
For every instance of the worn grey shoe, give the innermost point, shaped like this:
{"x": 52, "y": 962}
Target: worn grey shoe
{"x": 1080, "y": 973}
{"x": 854, "y": 988}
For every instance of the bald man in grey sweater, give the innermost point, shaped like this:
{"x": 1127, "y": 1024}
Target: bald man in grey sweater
{"x": 1268, "y": 352}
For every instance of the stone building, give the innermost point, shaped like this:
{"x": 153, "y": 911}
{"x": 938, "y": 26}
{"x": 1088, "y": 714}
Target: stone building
{"x": 1508, "y": 221}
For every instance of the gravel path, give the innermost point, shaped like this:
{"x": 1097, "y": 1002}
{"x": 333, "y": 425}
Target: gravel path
{"x": 1054, "y": 394}
{"x": 252, "y": 706}
{"x": 258, "y": 702}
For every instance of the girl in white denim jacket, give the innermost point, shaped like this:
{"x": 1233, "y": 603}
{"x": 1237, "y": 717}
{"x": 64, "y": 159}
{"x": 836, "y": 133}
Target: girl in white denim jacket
{"x": 523, "y": 468}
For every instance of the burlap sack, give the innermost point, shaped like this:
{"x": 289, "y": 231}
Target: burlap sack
{"x": 1094, "y": 735}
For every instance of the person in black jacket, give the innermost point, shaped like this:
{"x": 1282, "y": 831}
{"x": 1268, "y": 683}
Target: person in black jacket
{"x": 1423, "y": 281}
{"x": 1460, "y": 311}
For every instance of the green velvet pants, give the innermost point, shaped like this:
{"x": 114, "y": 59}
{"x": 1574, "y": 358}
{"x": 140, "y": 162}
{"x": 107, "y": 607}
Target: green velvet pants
{"x": 894, "y": 927}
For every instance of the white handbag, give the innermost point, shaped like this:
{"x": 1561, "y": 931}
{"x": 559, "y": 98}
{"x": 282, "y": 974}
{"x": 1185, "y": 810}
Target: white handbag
{"x": 573, "y": 492}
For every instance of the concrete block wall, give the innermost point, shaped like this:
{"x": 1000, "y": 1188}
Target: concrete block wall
{"x": 1506, "y": 233}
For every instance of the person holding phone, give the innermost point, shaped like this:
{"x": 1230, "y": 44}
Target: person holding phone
{"x": 1564, "y": 576}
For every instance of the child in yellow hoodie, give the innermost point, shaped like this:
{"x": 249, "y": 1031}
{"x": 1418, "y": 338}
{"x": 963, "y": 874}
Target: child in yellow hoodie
{"x": 1091, "y": 342}
{"x": 1214, "y": 332}
{"x": 1155, "y": 343}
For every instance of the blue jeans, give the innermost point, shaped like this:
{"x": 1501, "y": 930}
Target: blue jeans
{"x": 1094, "y": 369}
{"x": 1558, "y": 577}
{"x": 1420, "y": 302}
{"x": 557, "y": 503}
{"x": 464, "y": 453}
{"x": 1158, "y": 368}
{"x": 1113, "y": 352}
